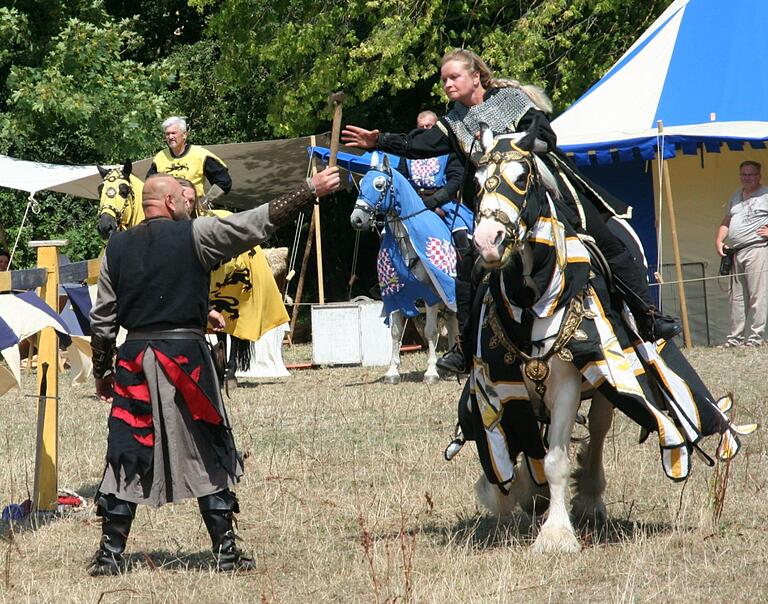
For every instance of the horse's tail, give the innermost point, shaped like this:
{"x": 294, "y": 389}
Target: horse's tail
{"x": 535, "y": 93}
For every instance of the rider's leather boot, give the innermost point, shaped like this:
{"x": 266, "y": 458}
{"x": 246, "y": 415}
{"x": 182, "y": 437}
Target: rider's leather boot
{"x": 116, "y": 519}
{"x": 218, "y": 511}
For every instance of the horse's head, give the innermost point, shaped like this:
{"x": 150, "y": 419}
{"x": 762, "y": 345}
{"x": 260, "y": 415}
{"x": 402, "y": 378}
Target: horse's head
{"x": 116, "y": 196}
{"x": 507, "y": 176}
{"x": 376, "y": 193}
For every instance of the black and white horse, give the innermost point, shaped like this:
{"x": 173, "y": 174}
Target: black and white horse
{"x": 548, "y": 334}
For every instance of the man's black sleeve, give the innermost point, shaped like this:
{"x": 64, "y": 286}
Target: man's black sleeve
{"x": 217, "y": 174}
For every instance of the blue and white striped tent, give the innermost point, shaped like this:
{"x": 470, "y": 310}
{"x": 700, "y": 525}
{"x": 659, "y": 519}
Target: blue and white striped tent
{"x": 701, "y": 70}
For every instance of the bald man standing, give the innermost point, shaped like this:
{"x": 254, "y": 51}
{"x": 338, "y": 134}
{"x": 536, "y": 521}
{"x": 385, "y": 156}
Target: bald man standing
{"x": 169, "y": 435}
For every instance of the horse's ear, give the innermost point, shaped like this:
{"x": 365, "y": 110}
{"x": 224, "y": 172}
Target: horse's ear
{"x": 485, "y": 137}
{"x": 102, "y": 171}
{"x": 127, "y": 168}
{"x": 375, "y": 159}
{"x": 385, "y": 164}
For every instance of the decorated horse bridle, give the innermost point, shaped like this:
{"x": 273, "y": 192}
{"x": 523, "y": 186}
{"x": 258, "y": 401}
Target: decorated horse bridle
{"x": 112, "y": 191}
{"x": 512, "y": 229}
{"x": 382, "y": 184}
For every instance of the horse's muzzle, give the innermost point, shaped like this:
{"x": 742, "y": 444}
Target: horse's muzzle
{"x": 360, "y": 219}
{"x": 490, "y": 239}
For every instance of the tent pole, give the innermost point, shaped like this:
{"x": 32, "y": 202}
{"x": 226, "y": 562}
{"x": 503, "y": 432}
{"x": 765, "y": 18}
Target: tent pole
{"x": 675, "y": 244}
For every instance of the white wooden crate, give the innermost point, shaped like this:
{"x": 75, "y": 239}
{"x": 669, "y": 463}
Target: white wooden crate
{"x": 349, "y": 333}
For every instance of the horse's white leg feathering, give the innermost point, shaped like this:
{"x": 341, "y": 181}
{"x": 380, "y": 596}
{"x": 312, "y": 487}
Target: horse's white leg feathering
{"x": 562, "y": 398}
{"x": 589, "y": 478}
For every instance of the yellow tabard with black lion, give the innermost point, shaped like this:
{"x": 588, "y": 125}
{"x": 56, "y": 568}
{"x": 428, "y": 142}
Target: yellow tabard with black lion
{"x": 244, "y": 290}
{"x": 190, "y": 165}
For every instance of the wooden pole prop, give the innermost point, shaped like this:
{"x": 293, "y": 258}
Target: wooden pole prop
{"x": 315, "y": 224}
{"x": 45, "y": 493}
{"x": 336, "y": 99}
{"x": 675, "y": 244}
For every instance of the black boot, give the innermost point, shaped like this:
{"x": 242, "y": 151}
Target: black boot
{"x": 633, "y": 286}
{"x": 452, "y": 361}
{"x": 116, "y": 519}
{"x": 218, "y": 511}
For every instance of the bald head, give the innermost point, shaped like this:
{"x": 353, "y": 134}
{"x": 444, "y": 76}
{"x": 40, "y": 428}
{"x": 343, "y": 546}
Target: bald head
{"x": 162, "y": 197}
{"x": 426, "y": 119}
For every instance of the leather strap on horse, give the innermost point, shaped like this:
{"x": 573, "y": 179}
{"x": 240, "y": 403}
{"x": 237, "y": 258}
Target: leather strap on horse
{"x": 537, "y": 368}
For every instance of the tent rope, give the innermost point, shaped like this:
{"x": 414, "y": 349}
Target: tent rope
{"x": 31, "y": 203}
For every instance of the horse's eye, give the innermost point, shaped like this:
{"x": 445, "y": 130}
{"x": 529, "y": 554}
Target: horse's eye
{"x": 123, "y": 190}
{"x": 111, "y": 192}
{"x": 379, "y": 183}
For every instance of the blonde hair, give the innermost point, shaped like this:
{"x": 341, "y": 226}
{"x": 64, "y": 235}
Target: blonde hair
{"x": 473, "y": 62}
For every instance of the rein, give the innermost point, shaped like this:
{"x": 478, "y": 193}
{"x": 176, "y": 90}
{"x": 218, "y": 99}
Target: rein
{"x": 376, "y": 210}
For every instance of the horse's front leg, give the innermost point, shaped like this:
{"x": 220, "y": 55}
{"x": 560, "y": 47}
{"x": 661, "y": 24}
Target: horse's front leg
{"x": 563, "y": 398}
{"x": 452, "y": 327}
{"x": 396, "y": 329}
{"x": 432, "y": 334}
{"x": 589, "y": 478}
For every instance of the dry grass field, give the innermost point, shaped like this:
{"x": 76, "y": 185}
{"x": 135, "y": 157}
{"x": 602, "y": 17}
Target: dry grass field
{"x": 347, "y": 499}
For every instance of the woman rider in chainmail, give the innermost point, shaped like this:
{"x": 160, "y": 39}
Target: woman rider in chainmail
{"x": 506, "y": 106}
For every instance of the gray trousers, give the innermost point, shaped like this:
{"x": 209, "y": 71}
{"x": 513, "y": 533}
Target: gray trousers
{"x": 749, "y": 295}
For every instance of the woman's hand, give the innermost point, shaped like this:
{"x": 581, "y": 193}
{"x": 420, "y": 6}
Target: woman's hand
{"x": 354, "y": 136}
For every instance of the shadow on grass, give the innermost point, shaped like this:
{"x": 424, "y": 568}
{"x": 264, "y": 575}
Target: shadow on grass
{"x": 169, "y": 561}
{"x": 484, "y": 532}
{"x": 415, "y": 377}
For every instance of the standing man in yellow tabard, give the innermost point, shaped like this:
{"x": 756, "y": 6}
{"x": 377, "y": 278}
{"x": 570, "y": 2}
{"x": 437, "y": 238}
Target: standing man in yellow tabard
{"x": 192, "y": 162}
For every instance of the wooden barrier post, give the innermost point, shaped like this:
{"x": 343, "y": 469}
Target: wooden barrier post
{"x": 45, "y": 493}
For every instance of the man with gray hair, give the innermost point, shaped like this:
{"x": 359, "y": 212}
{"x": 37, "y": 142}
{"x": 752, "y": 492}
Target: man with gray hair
{"x": 744, "y": 234}
{"x": 192, "y": 162}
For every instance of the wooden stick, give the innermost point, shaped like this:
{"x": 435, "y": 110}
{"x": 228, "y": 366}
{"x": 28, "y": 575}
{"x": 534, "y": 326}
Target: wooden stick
{"x": 318, "y": 238}
{"x": 302, "y": 274}
{"x": 47, "y": 456}
{"x": 675, "y": 244}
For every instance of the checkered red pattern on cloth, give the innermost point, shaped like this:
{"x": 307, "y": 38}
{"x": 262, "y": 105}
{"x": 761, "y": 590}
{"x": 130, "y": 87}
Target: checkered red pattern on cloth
{"x": 441, "y": 253}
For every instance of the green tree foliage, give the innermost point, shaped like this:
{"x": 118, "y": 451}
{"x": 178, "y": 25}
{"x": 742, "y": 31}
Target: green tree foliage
{"x": 385, "y": 53}
{"x": 71, "y": 96}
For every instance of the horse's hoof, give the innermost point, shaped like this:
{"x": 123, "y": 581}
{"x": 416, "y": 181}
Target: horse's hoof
{"x": 431, "y": 379}
{"x": 591, "y": 511}
{"x": 391, "y": 379}
{"x": 556, "y": 541}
